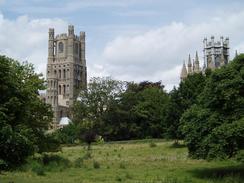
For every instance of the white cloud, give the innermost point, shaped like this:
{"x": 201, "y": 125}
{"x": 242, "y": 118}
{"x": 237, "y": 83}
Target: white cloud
{"x": 25, "y": 39}
{"x": 157, "y": 54}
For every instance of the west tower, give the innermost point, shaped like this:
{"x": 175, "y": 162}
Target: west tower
{"x": 66, "y": 71}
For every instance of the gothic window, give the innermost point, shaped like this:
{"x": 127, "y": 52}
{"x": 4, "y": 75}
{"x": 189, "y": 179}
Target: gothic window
{"x": 67, "y": 88}
{"x": 67, "y": 73}
{"x": 59, "y": 89}
{"x": 60, "y": 47}
{"x": 64, "y": 74}
{"x": 59, "y": 73}
{"x": 64, "y": 89}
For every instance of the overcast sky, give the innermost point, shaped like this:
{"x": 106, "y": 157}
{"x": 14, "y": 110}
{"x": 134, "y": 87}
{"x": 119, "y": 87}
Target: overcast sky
{"x": 126, "y": 39}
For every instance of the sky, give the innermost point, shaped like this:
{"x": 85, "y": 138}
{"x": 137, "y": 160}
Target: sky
{"x": 132, "y": 40}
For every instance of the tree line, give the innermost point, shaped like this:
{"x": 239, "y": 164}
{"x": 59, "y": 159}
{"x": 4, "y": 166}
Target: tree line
{"x": 205, "y": 110}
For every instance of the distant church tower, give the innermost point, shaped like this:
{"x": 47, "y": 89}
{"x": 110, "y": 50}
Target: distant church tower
{"x": 66, "y": 71}
{"x": 216, "y": 54}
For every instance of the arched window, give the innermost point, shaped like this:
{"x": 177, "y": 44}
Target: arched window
{"x": 67, "y": 73}
{"x": 64, "y": 89}
{"x": 59, "y": 73}
{"x": 55, "y": 73}
{"x": 60, "y": 47}
{"x": 59, "y": 89}
{"x": 67, "y": 89}
{"x": 64, "y": 74}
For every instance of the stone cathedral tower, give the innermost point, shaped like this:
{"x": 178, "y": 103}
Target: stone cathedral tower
{"x": 66, "y": 71}
{"x": 216, "y": 55}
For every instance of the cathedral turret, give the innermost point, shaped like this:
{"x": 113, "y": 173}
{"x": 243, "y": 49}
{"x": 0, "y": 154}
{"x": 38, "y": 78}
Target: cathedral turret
{"x": 50, "y": 45}
{"x": 189, "y": 65}
{"x": 197, "y": 67}
{"x": 183, "y": 74}
{"x": 236, "y": 53}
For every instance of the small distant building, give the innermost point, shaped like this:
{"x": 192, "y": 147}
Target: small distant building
{"x": 216, "y": 54}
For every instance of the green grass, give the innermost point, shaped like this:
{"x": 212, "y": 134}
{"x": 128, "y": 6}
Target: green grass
{"x": 128, "y": 161}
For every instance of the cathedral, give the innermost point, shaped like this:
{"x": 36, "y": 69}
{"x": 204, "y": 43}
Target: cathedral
{"x": 216, "y": 54}
{"x": 66, "y": 71}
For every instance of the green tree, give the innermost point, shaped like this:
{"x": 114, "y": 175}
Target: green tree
{"x": 22, "y": 123}
{"x": 96, "y": 100}
{"x": 216, "y": 121}
{"x": 182, "y": 99}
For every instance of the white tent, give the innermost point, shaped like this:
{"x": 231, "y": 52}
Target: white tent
{"x": 64, "y": 121}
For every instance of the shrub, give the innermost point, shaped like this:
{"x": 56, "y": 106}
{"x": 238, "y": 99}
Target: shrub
{"x": 96, "y": 165}
{"x": 48, "y": 159}
{"x": 240, "y": 157}
{"x": 152, "y": 144}
{"x": 122, "y": 166}
{"x": 119, "y": 179}
{"x": 38, "y": 169}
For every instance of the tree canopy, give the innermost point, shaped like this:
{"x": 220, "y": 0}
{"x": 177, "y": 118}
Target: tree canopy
{"x": 23, "y": 116}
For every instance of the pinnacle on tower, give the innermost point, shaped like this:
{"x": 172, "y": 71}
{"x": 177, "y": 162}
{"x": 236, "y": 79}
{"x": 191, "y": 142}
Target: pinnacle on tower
{"x": 189, "y": 65}
{"x": 197, "y": 67}
{"x": 236, "y": 54}
{"x": 183, "y": 74}
{"x": 193, "y": 66}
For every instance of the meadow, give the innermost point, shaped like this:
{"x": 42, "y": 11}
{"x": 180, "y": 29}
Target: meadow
{"x": 146, "y": 161}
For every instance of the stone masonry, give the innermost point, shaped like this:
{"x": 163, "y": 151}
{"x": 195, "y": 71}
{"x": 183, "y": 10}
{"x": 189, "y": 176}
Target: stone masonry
{"x": 66, "y": 71}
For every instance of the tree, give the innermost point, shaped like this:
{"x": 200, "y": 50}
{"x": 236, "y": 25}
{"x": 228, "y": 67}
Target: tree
{"x": 182, "y": 99}
{"x": 95, "y": 101}
{"x": 213, "y": 127}
{"x": 22, "y": 124}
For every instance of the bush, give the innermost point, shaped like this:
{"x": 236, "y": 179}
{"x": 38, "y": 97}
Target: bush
{"x": 49, "y": 143}
{"x": 122, "y": 166}
{"x": 152, "y": 144}
{"x": 240, "y": 157}
{"x": 15, "y": 146}
{"x": 38, "y": 169}
{"x": 48, "y": 159}
{"x": 96, "y": 165}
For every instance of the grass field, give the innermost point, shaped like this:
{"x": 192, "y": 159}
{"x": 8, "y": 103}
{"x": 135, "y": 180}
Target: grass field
{"x": 129, "y": 161}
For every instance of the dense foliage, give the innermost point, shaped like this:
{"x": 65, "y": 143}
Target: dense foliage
{"x": 213, "y": 127}
{"x": 23, "y": 116}
{"x": 121, "y": 110}
{"x": 182, "y": 99}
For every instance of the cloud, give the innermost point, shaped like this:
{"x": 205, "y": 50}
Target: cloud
{"x": 157, "y": 54}
{"x": 25, "y": 39}
{"x": 132, "y": 52}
